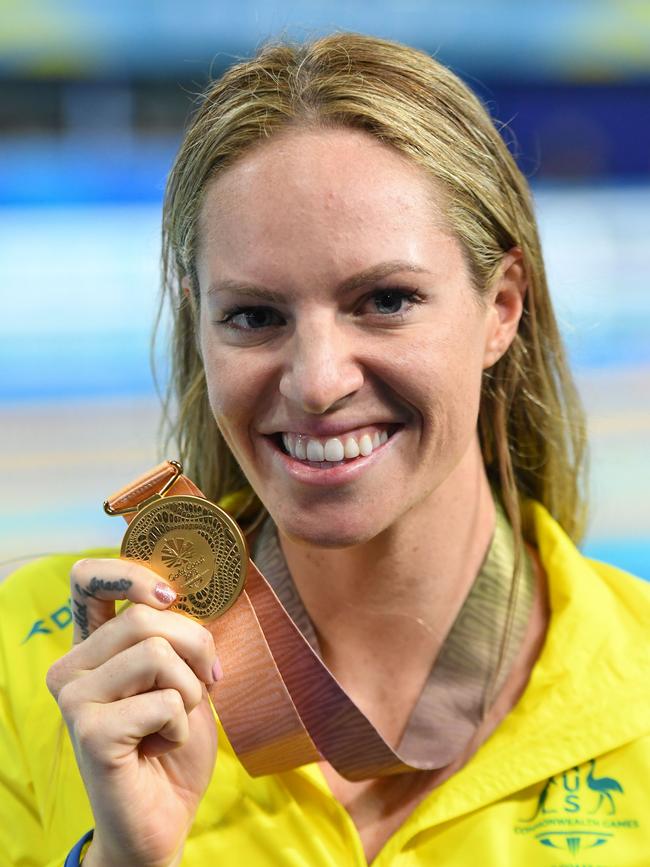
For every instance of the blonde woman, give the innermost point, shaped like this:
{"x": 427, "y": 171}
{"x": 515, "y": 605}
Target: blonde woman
{"x": 367, "y": 372}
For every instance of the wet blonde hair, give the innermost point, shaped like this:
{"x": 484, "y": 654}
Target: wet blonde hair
{"x": 530, "y": 422}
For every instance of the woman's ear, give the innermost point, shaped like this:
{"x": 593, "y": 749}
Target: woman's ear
{"x": 186, "y": 286}
{"x": 190, "y": 298}
{"x": 506, "y": 304}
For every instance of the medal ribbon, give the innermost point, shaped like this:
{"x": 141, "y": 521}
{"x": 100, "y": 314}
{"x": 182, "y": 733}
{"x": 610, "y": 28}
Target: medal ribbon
{"x": 281, "y": 707}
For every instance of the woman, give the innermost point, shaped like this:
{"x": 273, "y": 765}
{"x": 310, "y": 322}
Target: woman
{"x": 363, "y": 334}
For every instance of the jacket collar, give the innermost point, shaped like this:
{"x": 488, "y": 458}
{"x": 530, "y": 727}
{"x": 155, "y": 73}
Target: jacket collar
{"x": 588, "y": 693}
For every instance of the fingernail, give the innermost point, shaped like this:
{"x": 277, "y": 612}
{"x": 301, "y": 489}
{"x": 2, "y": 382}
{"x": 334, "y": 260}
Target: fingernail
{"x": 164, "y": 593}
{"x": 217, "y": 670}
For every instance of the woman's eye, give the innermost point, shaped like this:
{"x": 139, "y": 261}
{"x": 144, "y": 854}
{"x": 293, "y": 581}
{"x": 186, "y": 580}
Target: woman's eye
{"x": 391, "y": 301}
{"x": 251, "y": 318}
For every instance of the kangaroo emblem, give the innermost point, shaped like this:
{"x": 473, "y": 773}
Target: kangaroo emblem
{"x": 541, "y": 801}
{"x": 563, "y": 817}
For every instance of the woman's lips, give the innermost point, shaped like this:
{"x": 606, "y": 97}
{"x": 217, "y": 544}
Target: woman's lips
{"x": 327, "y": 472}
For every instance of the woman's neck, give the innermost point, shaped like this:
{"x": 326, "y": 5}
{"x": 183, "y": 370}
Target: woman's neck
{"x": 382, "y": 609}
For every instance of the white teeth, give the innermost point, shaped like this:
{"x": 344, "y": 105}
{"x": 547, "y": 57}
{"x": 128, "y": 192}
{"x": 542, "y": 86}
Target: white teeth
{"x": 365, "y": 445}
{"x": 333, "y": 450}
{"x": 300, "y": 451}
{"x": 315, "y": 451}
{"x": 351, "y": 448}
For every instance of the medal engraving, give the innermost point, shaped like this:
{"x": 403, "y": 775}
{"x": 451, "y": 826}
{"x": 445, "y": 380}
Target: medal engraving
{"x": 195, "y": 547}
{"x": 184, "y": 559}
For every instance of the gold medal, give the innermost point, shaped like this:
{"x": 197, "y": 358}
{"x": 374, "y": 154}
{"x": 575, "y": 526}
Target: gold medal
{"x": 195, "y": 547}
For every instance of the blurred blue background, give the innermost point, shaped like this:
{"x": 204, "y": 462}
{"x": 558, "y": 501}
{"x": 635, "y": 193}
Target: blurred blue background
{"x": 93, "y": 100}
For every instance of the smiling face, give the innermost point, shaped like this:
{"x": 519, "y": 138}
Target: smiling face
{"x": 342, "y": 339}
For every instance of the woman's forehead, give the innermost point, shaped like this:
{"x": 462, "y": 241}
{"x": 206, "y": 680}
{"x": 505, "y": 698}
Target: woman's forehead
{"x": 302, "y": 215}
{"x": 324, "y": 176}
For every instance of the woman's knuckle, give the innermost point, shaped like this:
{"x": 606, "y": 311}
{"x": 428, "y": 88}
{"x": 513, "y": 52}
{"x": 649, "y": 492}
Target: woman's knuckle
{"x": 127, "y": 569}
{"x": 158, "y": 648}
{"x": 81, "y": 568}
{"x": 206, "y": 641}
{"x": 54, "y": 679}
{"x": 67, "y": 699}
{"x": 86, "y": 730}
{"x": 138, "y": 617}
{"x": 173, "y": 701}
{"x": 195, "y": 695}
{"x": 199, "y": 639}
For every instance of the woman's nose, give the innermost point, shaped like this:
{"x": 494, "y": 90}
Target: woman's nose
{"x": 320, "y": 370}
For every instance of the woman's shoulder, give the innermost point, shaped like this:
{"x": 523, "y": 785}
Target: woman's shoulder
{"x": 568, "y": 568}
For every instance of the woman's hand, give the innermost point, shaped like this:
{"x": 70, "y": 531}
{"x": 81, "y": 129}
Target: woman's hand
{"x": 133, "y": 694}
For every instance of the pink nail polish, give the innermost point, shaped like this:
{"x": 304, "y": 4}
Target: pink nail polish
{"x": 217, "y": 670}
{"x": 164, "y": 593}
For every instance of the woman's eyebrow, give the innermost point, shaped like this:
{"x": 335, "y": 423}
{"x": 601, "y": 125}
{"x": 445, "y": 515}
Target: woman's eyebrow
{"x": 356, "y": 281}
{"x": 378, "y": 272}
{"x": 250, "y": 290}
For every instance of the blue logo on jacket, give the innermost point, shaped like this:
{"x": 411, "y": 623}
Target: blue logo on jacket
{"x": 54, "y": 622}
{"x": 576, "y": 811}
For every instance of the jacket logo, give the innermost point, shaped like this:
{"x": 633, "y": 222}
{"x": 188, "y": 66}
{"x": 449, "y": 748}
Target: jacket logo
{"x": 56, "y": 621}
{"x": 577, "y": 811}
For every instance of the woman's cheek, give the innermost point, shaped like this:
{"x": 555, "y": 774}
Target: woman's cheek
{"x": 228, "y": 406}
{"x": 225, "y": 379}
{"x": 231, "y": 426}
{"x": 237, "y": 391}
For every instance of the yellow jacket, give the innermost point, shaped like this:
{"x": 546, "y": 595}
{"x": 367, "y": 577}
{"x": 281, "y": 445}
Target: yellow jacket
{"x": 563, "y": 781}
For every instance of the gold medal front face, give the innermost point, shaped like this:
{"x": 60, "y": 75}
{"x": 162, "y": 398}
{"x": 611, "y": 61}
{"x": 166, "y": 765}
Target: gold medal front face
{"x": 195, "y": 547}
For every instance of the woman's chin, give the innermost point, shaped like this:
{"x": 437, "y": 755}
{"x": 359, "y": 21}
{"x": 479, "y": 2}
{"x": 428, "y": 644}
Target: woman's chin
{"x": 327, "y": 534}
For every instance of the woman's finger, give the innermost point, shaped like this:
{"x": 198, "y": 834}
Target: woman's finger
{"x": 95, "y": 586}
{"x": 111, "y": 736}
{"x": 153, "y": 664}
{"x": 191, "y": 641}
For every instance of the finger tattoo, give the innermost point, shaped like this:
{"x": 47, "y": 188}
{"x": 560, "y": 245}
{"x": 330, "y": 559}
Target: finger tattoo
{"x": 100, "y": 585}
{"x": 80, "y": 614}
